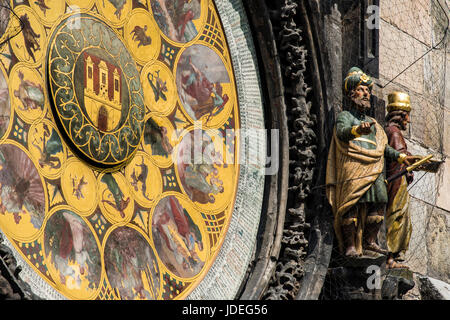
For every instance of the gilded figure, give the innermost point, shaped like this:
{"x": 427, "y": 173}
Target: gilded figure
{"x": 398, "y": 219}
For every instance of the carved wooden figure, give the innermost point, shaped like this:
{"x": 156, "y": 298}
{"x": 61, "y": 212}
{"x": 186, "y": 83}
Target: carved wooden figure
{"x": 398, "y": 219}
{"x": 356, "y": 187}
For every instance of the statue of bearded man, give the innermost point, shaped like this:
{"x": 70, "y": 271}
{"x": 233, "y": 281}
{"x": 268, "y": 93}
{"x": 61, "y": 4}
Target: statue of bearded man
{"x": 356, "y": 187}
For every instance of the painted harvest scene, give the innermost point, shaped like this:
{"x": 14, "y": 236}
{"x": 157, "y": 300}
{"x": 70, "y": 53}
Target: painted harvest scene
{"x": 104, "y": 104}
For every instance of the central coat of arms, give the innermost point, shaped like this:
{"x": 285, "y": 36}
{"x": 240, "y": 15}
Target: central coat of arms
{"x": 102, "y": 92}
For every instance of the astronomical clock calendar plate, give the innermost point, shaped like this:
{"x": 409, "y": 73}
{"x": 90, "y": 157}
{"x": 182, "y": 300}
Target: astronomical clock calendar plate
{"x": 103, "y": 105}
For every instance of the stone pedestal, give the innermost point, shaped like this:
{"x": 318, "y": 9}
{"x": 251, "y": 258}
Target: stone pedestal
{"x": 397, "y": 283}
{"x": 358, "y": 278}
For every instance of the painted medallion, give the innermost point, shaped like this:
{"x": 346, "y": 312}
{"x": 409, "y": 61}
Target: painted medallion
{"x": 179, "y": 241}
{"x": 22, "y": 209}
{"x": 131, "y": 265}
{"x": 72, "y": 254}
{"x": 179, "y": 20}
{"x": 204, "y": 85}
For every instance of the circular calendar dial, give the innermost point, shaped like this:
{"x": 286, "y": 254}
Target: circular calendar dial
{"x": 106, "y": 106}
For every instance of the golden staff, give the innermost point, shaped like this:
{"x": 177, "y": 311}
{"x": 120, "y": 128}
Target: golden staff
{"x": 415, "y": 165}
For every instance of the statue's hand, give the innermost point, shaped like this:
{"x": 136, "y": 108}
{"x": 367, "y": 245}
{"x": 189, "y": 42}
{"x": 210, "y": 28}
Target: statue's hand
{"x": 365, "y": 128}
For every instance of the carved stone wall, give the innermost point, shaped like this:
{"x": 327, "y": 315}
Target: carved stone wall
{"x": 308, "y": 55}
{"x": 289, "y": 270}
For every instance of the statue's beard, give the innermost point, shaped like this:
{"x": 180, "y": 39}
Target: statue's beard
{"x": 363, "y": 104}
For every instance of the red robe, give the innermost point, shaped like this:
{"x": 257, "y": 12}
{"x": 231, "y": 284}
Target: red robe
{"x": 396, "y": 141}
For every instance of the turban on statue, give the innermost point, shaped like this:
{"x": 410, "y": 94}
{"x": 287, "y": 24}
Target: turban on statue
{"x": 356, "y": 77}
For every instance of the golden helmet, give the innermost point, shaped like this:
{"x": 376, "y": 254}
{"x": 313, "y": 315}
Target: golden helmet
{"x": 399, "y": 101}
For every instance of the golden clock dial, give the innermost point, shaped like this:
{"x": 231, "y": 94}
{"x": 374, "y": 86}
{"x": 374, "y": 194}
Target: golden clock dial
{"x": 102, "y": 103}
